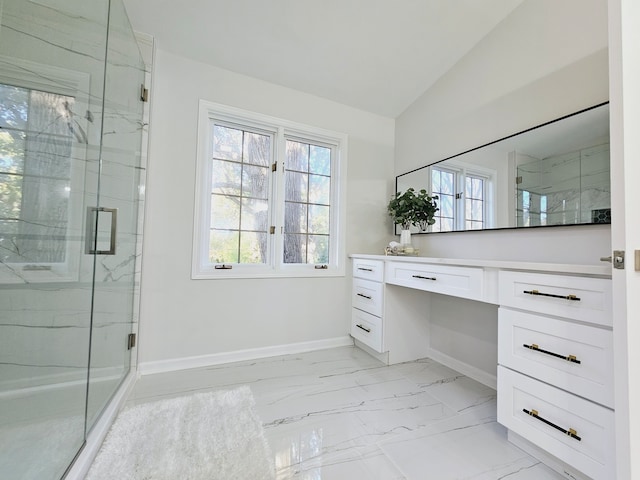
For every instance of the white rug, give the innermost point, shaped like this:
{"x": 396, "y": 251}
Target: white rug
{"x": 212, "y": 436}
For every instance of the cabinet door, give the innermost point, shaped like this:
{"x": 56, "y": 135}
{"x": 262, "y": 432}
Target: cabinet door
{"x": 573, "y": 429}
{"x": 367, "y": 328}
{"x": 574, "y": 357}
{"x": 465, "y": 282}
{"x": 368, "y": 269}
{"x": 581, "y": 298}
{"x": 367, "y": 295}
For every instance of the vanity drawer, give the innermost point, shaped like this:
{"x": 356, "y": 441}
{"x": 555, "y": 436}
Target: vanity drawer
{"x": 367, "y": 296}
{"x": 465, "y": 282}
{"x": 368, "y": 269}
{"x": 581, "y": 298}
{"x": 571, "y": 356}
{"x": 556, "y": 410}
{"x": 367, "y": 328}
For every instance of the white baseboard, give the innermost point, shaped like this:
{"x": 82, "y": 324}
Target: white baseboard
{"x": 161, "y": 366}
{"x": 83, "y": 461}
{"x": 464, "y": 368}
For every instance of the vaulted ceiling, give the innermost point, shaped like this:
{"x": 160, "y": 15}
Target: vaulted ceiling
{"x": 375, "y": 55}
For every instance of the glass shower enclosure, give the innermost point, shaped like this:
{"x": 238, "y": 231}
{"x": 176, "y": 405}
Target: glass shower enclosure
{"x": 71, "y": 185}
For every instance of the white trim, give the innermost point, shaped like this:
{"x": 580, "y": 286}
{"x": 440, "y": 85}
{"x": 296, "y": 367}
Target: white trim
{"x": 470, "y": 371}
{"x": 201, "y": 268}
{"x": 162, "y": 366}
{"x": 98, "y": 432}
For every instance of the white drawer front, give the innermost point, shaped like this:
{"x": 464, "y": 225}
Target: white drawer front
{"x": 593, "y": 454}
{"x": 545, "y": 348}
{"x": 367, "y": 296}
{"x": 465, "y": 282}
{"x": 367, "y": 328}
{"x": 368, "y": 269}
{"x": 581, "y": 298}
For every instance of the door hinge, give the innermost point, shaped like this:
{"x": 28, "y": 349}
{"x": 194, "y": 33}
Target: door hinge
{"x": 272, "y": 229}
{"x": 518, "y": 180}
{"x": 131, "y": 341}
{"x": 144, "y": 93}
{"x": 274, "y": 167}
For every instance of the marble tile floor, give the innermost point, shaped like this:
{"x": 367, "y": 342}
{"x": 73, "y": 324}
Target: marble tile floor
{"x": 340, "y": 414}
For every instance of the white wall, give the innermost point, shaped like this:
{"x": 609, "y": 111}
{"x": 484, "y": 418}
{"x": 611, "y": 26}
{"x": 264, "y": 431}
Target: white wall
{"x": 546, "y": 60}
{"x": 181, "y": 317}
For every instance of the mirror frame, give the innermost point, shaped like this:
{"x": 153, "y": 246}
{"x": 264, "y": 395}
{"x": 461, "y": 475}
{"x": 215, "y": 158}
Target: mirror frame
{"x": 493, "y": 229}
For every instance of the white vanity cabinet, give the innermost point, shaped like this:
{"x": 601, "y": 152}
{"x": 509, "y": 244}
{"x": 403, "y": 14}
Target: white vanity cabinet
{"x": 555, "y": 366}
{"x": 367, "y": 302}
{"x": 554, "y": 343}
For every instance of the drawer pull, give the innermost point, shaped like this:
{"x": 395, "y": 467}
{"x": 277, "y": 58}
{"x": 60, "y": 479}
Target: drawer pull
{"x": 365, "y": 269}
{"x": 424, "y": 278}
{"x": 364, "y": 296}
{"x": 553, "y": 295}
{"x": 568, "y": 358}
{"x": 571, "y": 432}
{"x": 368, "y": 330}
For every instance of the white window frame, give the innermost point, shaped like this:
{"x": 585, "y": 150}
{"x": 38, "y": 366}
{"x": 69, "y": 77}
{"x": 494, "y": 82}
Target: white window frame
{"x": 201, "y": 267}
{"x": 461, "y": 171}
{"x": 61, "y": 81}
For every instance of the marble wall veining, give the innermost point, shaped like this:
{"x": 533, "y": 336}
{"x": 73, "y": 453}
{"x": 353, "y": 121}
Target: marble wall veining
{"x": 564, "y": 189}
{"x": 49, "y": 316}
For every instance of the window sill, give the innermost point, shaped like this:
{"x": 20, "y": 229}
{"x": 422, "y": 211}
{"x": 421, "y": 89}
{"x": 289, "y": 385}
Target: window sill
{"x": 306, "y": 272}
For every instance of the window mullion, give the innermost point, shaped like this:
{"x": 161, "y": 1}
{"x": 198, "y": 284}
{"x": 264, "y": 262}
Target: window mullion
{"x": 277, "y": 198}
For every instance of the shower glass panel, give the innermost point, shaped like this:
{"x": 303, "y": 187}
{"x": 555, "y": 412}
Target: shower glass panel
{"x": 114, "y": 288}
{"x": 65, "y": 150}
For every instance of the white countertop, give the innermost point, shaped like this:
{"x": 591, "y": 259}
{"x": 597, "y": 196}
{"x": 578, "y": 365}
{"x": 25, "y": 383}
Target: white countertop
{"x": 598, "y": 270}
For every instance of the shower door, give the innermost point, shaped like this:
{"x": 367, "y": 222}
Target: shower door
{"x": 120, "y": 195}
{"x": 69, "y": 176}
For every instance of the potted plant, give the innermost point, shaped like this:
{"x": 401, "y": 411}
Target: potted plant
{"x": 411, "y": 208}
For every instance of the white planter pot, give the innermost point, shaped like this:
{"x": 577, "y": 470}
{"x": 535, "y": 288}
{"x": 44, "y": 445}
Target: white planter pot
{"x": 405, "y": 237}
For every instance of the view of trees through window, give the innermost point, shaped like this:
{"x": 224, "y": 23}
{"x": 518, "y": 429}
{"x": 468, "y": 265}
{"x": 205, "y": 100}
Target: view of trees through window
{"x": 36, "y": 136}
{"x": 307, "y": 197}
{"x": 240, "y": 215}
{"x": 267, "y": 196}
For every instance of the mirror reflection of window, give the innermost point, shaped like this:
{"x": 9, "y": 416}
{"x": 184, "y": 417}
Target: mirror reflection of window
{"x": 443, "y": 184}
{"x": 474, "y": 198}
{"x": 462, "y": 199}
{"x": 562, "y": 165}
{"x": 36, "y": 136}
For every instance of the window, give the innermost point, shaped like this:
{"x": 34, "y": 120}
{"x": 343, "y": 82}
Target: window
{"x": 35, "y": 173}
{"x": 464, "y": 198}
{"x": 43, "y": 137}
{"x": 268, "y": 197}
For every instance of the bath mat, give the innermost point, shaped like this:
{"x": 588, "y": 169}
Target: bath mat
{"x": 212, "y": 436}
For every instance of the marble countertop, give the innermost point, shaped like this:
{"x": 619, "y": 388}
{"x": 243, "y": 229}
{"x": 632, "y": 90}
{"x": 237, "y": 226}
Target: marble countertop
{"x": 603, "y": 270}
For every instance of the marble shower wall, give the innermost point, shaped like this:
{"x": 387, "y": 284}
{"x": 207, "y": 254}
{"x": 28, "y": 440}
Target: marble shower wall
{"x": 564, "y": 189}
{"x": 46, "y": 315}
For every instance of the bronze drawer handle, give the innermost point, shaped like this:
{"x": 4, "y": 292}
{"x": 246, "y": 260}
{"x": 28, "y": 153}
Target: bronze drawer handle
{"x": 568, "y": 358}
{"x": 368, "y": 330}
{"x": 363, "y": 296}
{"x": 571, "y": 432}
{"x": 553, "y": 295}
{"x": 365, "y": 269}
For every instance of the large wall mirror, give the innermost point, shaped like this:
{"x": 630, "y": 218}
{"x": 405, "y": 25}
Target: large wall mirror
{"x": 553, "y": 174}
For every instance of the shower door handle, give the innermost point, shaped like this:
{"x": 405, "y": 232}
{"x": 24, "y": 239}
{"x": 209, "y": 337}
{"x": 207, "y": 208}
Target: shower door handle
{"x": 91, "y": 237}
